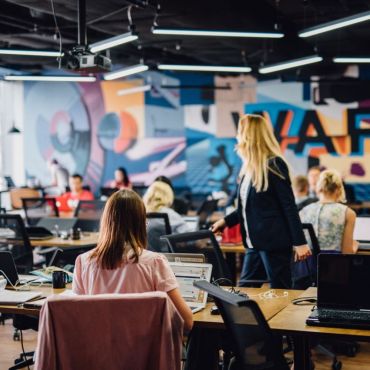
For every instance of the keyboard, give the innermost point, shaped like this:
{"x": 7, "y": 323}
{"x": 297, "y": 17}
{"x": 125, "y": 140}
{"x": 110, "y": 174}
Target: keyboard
{"x": 339, "y": 319}
{"x": 326, "y": 314}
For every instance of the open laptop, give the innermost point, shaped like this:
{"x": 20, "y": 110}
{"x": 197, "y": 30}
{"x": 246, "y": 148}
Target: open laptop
{"x": 186, "y": 257}
{"x": 38, "y": 233}
{"x": 192, "y": 222}
{"x": 362, "y": 232}
{"x": 343, "y": 298}
{"x": 186, "y": 274}
{"x": 9, "y": 271}
{"x": 56, "y": 224}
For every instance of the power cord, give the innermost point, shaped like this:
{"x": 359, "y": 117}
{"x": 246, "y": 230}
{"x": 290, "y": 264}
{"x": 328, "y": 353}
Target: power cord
{"x": 305, "y": 301}
{"x": 23, "y": 287}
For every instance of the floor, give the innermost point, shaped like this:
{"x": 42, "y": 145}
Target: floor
{"x": 10, "y": 349}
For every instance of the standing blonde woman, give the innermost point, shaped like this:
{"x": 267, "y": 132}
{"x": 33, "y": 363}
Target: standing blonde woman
{"x": 267, "y": 213}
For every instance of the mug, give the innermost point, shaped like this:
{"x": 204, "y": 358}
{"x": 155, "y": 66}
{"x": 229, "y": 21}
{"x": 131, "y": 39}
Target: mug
{"x": 60, "y": 278}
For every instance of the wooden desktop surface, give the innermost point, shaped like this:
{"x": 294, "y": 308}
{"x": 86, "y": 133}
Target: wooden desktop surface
{"x": 269, "y": 306}
{"x": 88, "y": 239}
{"x": 292, "y": 320}
{"x": 46, "y": 292}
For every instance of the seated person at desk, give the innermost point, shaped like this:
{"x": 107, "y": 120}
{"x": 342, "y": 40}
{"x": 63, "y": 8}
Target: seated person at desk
{"x": 120, "y": 263}
{"x": 69, "y": 200}
{"x": 300, "y": 189}
{"x": 159, "y": 198}
{"x": 121, "y": 179}
{"x": 332, "y": 221}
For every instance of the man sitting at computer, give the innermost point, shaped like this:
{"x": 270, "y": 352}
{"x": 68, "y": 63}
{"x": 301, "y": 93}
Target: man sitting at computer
{"x": 69, "y": 200}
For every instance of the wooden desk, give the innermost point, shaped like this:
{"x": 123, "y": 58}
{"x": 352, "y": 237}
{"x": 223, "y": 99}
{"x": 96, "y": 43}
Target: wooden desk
{"x": 46, "y": 292}
{"x": 87, "y": 240}
{"x": 269, "y": 306}
{"x": 232, "y": 248}
{"x": 292, "y": 320}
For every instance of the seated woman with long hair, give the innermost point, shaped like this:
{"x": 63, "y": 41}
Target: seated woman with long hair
{"x": 159, "y": 198}
{"x": 332, "y": 220}
{"x": 120, "y": 263}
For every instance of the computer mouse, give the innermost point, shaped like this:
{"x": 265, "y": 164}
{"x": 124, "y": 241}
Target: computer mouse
{"x": 215, "y": 310}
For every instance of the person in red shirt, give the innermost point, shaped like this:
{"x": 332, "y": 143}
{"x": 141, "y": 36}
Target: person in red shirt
{"x": 69, "y": 200}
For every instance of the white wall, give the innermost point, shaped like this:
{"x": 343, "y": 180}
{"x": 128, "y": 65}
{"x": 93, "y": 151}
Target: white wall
{"x": 12, "y": 145}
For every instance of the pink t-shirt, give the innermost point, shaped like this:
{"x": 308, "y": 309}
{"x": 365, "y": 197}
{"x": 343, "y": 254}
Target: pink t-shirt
{"x": 151, "y": 273}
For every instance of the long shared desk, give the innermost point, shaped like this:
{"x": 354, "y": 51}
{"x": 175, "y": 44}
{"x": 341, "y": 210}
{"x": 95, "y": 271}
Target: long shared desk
{"x": 282, "y": 315}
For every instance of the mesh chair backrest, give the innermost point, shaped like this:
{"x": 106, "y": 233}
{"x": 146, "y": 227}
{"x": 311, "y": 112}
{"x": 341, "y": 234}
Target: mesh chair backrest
{"x": 89, "y": 213}
{"x": 203, "y": 242}
{"x": 254, "y": 344}
{"x": 157, "y": 226}
{"x": 37, "y": 208}
{"x": 13, "y": 237}
{"x": 304, "y": 273}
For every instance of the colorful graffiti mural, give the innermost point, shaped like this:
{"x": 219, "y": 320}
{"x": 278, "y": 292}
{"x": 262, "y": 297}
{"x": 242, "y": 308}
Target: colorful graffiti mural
{"x": 188, "y": 133}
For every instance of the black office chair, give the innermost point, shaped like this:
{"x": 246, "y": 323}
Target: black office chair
{"x": 158, "y": 225}
{"x": 205, "y": 211}
{"x": 203, "y": 242}
{"x": 13, "y": 237}
{"x": 38, "y": 208}
{"x": 253, "y": 343}
{"x": 89, "y": 213}
{"x": 304, "y": 273}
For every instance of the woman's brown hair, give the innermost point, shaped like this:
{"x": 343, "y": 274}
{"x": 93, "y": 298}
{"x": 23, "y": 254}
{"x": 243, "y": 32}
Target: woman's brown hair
{"x": 122, "y": 229}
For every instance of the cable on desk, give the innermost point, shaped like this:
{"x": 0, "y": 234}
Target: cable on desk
{"x": 305, "y": 301}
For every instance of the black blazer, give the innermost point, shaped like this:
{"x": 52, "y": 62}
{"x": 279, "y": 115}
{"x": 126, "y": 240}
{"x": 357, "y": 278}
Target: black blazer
{"x": 272, "y": 215}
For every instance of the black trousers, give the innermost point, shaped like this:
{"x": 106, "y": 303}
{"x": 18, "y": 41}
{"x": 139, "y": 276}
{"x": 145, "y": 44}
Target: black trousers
{"x": 277, "y": 265}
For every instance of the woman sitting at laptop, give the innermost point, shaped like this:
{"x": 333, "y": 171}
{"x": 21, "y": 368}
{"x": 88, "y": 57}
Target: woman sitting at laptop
{"x": 159, "y": 198}
{"x": 120, "y": 263}
{"x": 332, "y": 220}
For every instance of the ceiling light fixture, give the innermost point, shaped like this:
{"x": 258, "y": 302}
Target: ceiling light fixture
{"x": 112, "y": 42}
{"x": 50, "y": 78}
{"x": 200, "y": 68}
{"x": 336, "y": 24}
{"x": 134, "y": 90}
{"x": 34, "y": 53}
{"x": 351, "y": 60}
{"x": 189, "y": 32}
{"x": 290, "y": 64}
{"x": 125, "y": 72}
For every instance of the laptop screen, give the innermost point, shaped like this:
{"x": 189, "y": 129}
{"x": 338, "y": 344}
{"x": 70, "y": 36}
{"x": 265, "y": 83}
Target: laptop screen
{"x": 186, "y": 274}
{"x": 344, "y": 281}
{"x": 362, "y": 229}
{"x": 7, "y": 268}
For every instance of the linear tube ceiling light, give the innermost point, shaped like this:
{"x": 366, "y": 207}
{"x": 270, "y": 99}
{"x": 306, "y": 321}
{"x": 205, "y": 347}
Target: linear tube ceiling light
{"x": 50, "y": 78}
{"x": 112, "y": 42}
{"x": 334, "y": 25}
{"x": 125, "y": 72}
{"x": 290, "y": 64}
{"x": 200, "y": 68}
{"x": 33, "y": 53}
{"x": 189, "y": 32}
{"x": 134, "y": 90}
{"x": 351, "y": 60}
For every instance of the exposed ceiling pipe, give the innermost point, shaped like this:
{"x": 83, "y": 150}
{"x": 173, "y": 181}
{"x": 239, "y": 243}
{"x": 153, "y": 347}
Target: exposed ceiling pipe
{"x": 82, "y": 31}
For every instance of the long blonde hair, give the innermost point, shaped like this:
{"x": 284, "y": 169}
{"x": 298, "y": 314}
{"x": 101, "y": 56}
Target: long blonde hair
{"x": 330, "y": 182}
{"x": 122, "y": 230}
{"x": 158, "y": 195}
{"x": 256, "y": 145}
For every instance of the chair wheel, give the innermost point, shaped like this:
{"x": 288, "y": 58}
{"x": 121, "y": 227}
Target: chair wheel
{"x": 16, "y": 337}
{"x": 337, "y": 365}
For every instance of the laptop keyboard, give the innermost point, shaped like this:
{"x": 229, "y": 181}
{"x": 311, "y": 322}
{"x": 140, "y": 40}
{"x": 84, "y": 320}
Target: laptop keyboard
{"x": 325, "y": 314}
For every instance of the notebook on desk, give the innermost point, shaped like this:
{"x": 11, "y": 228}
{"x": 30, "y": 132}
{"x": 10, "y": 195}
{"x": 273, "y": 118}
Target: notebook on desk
{"x": 361, "y": 232}
{"x": 186, "y": 274}
{"x": 343, "y": 287}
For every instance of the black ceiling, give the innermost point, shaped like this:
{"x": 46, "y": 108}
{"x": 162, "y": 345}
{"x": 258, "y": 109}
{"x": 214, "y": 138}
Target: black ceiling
{"x": 29, "y": 24}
